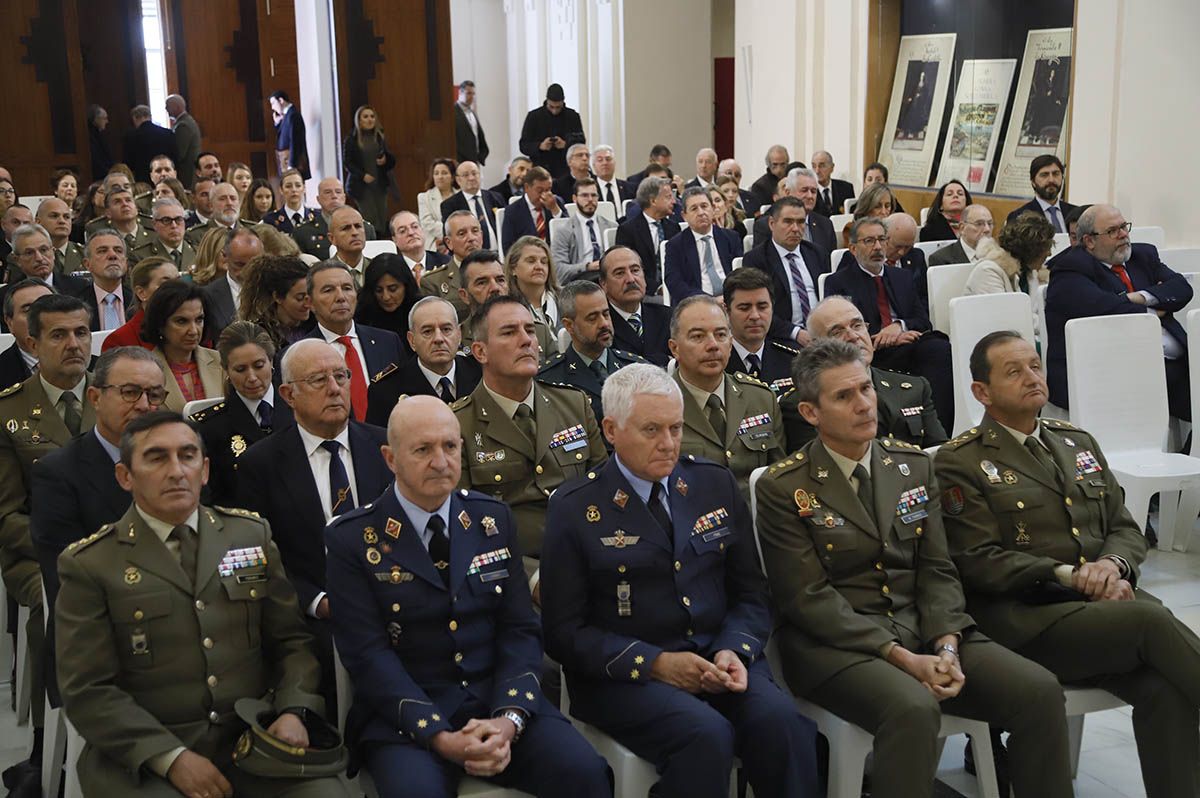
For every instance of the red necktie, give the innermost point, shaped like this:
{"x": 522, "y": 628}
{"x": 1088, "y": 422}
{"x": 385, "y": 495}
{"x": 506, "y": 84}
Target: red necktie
{"x": 358, "y": 379}
{"x": 541, "y": 225}
{"x": 1119, "y": 270}
{"x": 881, "y": 299}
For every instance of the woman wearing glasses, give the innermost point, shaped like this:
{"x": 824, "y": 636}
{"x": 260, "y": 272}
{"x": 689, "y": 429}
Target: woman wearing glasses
{"x": 174, "y": 323}
{"x": 251, "y": 411}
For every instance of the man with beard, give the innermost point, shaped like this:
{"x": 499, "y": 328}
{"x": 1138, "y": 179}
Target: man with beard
{"x": 1046, "y": 176}
{"x": 108, "y": 296}
{"x": 225, "y": 212}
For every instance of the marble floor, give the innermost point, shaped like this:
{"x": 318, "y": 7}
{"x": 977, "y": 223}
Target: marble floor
{"x": 1108, "y": 763}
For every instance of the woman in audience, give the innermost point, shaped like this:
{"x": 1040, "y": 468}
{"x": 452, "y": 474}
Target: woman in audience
{"x": 275, "y": 297}
{"x": 735, "y": 217}
{"x": 878, "y": 173}
{"x": 172, "y": 188}
{"x": 367, "y": 162}
{"x": 251, "y": 410}
{"x": 389, "y": 291}
{"x": 240, "y": 176}
{"x": 1015, "y": 260}
{"x": 258, "y": 201}
{"x": 875, "y": 201}
{"x": 87, "y": 207}
{"x": 207, "y": 266}
{"x": 174, "y": 324}
{"x": 529, "y": 270}
{"x": 148, "y": 276}
{"x": 65, "y": 185}
{"x": 945, "y": 214}
{"x": 442, "y": 185}
{"x": 291, "y": 187}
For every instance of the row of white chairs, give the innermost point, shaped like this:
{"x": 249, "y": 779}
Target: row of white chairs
{"x": 98, "y": 337}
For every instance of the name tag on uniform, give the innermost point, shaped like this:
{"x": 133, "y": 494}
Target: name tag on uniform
{"x": 569, "y": 439}
{"x": 912, "y": 411}
{"x": 715, "y": 534}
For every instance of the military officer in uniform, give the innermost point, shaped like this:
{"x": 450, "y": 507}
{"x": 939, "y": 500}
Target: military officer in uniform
{"x": 522, "y": 438}
{"x": 873, "y": 619}
{"x": 482, "y": 277}
{"x": 169, "y": 240}
{"x": 312, "y": 236}
{"x": 122, "y": 216}
{"x": 169, "y": 616}
{"x": 1050, "y": 557}
{"x": 226, "y": 214}
{"x": 733, "y": 420}
{"x": 905, "y": 401}
{"x": 590, "y": 358}
{"x": 463, "y": 236}
{"x": 751, "y": 306}
{"x": 654, "y": 603}
{"x": 433, "y": 621}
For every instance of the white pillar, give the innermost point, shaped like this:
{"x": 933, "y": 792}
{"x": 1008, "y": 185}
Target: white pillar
{"x": 318, "y": 100}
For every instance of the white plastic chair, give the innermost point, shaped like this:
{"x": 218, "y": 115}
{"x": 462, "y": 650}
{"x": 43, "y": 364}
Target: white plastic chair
{"x": 1126, "y": 410}
{"x": 564, "y": 340}
{"x": 1062, "y": 241}
{"x": 8, "y": 339}
{"x": 945, "y": 283}
{"x": 924, "y": 215}
{"x": 1181, "y": 260}
{"x": 33, "y": 202}
{"x": 848, "y": 205}
{"x": 373, "y": 248}
{"x": 515, "y": 197}
{"x": 971, "y": 318}
{"x": 498, "y": 236}
{"x": 748, "y": 242}
{"x": 737, "y": 264}
{"x": 24, "y": 675}
{"x": 930, "y": 247}
{"x": 97, "y": 341}
{"x": 662, "y": 259}
{"x": 821, "y": 285}
{"x": 1148, "y": 235}
{"x": 74, "y": 747}
{"x": 835, "y": 259}
{"x": 609, "y": 236}
{"x": 1193, "y": 279}
{"x": 849, "y": 744}
{"x": 196, "y": 405}
{"x": 1189, "y": 503}
{"x": 840, "y": 220}
{"x": 1083, "y": 701}
{"x": 625, "y": 205}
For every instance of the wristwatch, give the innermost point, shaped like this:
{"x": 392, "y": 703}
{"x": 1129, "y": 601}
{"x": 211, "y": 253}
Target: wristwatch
{"x": 518, "y": 720}
{"x": 953, "y": 649}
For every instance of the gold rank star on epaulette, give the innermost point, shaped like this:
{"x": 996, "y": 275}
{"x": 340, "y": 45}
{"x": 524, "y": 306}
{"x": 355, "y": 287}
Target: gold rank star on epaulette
{"x": 964, "y": 437}
{"x": 1053, "y": 423}
{"x": 461, "y": 402}
{"x": 785, "y": 465}
{"x": 206, "y": 412}
{"x": 237, "y": 511}
{"x": 83, "y": 543}
{"x": 742, "y": 377}
{"x": 10, "y": 390}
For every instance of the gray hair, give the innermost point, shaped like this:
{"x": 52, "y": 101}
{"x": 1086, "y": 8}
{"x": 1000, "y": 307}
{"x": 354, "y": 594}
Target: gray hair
{"x": 603, "y": 148}
{"x": 235, "y": 233}
{"x": 574, "y": 148}
{"x": 25, "y": 231}
{"x": 517, "y": 159}
{"x": 103, "y": 231}
{"x": 106, "y": 361}
{"x": 815, "y": 359}
{"x": 568, "y": 294}
{"x": 792, "y": 181}
{"x": 456, "y": 215}
{"x": 287, "y": 363}
{"x": 426, "y": 301}
{"x": 648, "y": 189}
{"x": 1086, "y": 226}
{"x": 771, "y": 149}
{"x": 624, "y": 385}
{"x": 866, "y": 221}
{"x": 141, "y": 112}
{"x": 166, "y": 202}
{"x": 703, "y": 150}
{"x": 694, "y": 299}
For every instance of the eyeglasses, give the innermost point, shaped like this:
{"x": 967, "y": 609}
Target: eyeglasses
{"x": 132, "y": 393}
{"x": 1112, "y": 231}
{"x": 169, "y": 220}
{"x": 318, "y": 382}
{"x": 982, "y": 223}
{"x": 870, "y": 242}
{"x": 8, "y": 192}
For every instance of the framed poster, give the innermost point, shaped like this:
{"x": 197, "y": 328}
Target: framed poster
{"x": 975, "y": 119}
{"x": 918, "y": 101}
{"x": 1039, "y": 124}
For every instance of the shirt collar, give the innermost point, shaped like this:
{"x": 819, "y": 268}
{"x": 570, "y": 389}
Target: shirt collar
{"x": 434, "y": 378}
{"x": 1046, "y": 205}
{"x": 312, "y": 442}
{"x": 1021, "y": 436}
{"x": 640, "y": 486}
{"x": 163, "y": 529}
{"x": 252, "y": 404}
{"x": 967, "y": 249}
{"x": 54, "y": 394}
{"x": 701, "y": 395}
{"x": 846, "y": 465}
{"x": 587, "y": 361}
{"x": 508, "y": 405}
{"x": 112, "y": 451}
{"x": 331, "y": 337}
{"x": 420, "y": 518}
{"x": 743, "y": 351}
{"x": 783, "y": 253}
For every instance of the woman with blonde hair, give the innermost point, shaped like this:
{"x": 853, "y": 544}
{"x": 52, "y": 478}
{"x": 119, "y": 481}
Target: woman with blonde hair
{"x": 207, "y": 266}
{"x": 529, "y": 270}
{"x": 240, "y": 177}
{"x": 367, "y": 162}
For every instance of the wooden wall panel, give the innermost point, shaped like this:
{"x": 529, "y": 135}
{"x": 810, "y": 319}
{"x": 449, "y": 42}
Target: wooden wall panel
{"x": 114, "y": 65}
{"x": 396, "y": 58}
{"x": 277, "y": 63}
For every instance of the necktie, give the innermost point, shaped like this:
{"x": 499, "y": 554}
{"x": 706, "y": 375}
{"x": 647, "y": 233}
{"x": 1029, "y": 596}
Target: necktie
{"x": 829, "y": 200}
{"x": 295, "y": 220}
{"x": 662, "y": 234}
{"x": 710, "y": 268}
{"x": 523, "y": 418}
{"x": 801, "y": 288}
{"x": 635, "y": 321}
{"x": 483, "y": 223}
{"x": 177, "y": 256}
{"x": 595, "y": 243}
{"x": 111, "y": 317}
{"x": 341, "y": 498}
{"x": 71, "y": 418}
{"x": 1119, "y": 270}
{"x": 358, "y": 378}
{"x": 1049, "y": 467}
{"x": 753, "y": 365}
{"x": 657, "y": 509}
{"x": 599, "y": 370}
{"x": 418, "y": 269}
{"x": 439, "y": 547}
{"x": 1023, "y": 281}
{"x": 187, "y": 550}
{"x": 881, "y": 301}
{"x": 1055, "y": 219}
{"x": 445, "y": 390}
{"x": 716, "y": 415}
{"x": 58, "y": 261}
{"x": 540, "y": 222}
{"x": 266, "y": 414}
{"x": 866, "y": 495}
{"x": 608, "y": 194}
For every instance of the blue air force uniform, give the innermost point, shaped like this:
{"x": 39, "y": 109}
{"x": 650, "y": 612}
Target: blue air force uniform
{"x": 618, "y": 590}
{"x": 425, "y": 656}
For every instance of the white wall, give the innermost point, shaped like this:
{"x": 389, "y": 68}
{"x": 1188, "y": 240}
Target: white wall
{"x": 318, "y": 100}
{"x": 480, "y": 54}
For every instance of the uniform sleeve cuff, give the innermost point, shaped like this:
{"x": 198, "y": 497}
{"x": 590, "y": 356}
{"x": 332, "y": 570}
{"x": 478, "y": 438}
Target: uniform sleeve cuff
{"x": 744, "y": 644}
{"x": 1065, "y": 574}
{"x": 1122, "y": 564}
{"x": 633, "y": 664}
{"x": 161, "y": 763}
{"x": 421, "y": 720}
{"x": 520, "y": 692}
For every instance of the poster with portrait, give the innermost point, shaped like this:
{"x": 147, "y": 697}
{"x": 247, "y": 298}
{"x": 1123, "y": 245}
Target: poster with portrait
{"x": 978, "y": 110}
{"x": 918, "y": 101}
{"x": 1039, "y": 124}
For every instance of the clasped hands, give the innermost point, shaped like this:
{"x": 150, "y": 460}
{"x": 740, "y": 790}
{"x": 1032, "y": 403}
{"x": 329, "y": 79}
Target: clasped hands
{"x": 894, "y": 335}
{"x": 1101, "y": 581}
{"x": 694, "y": 674}
{"x": 482, "y": 748}
{"x": 940, "y": 673}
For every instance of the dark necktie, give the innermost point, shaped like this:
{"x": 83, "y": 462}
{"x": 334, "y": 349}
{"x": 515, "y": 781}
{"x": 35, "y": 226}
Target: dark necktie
{"x": 1119, "y": 270}
{"x": 881, "y": 301}
{"x": 483, "y": 223}
{"x": 295, "y": 220}
{"x": 793, "y": 261}
{"x": 266, "y": 414}
{"x": 608, "y": 195}
{"x": 596, "y": 253}
{"x": 187, "y": 550}
{"x": 866, "y": 494}
{"x": 1055, "y": 219}
{"x": 177, "y": 256}
{"x": 599, "y": 369}
{"x": 341, "y": 498}
{"x": 657, "y": 509}
{"x": 662, "y": 232}
{"x": 71, "y": 416}
{"x": 753, "y": 365}
{"x": 439, "y": 547}
{"x": 829, "y": 200}
{"x": 635, "y": 321}
{"x": 523, "y": 418}
{"x": 58, "y": 261}
{"x": 445, "y": 390}
{"x": 716, "y": 415}
{"x": 1049, "y": 467}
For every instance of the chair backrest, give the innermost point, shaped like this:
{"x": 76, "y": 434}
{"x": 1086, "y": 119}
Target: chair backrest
{"x": 930, "y": 247}
{"x": 821, "y": 285}
{"x": 609, "y": 236}
{"x": 924, "y": 215}
{"x": 835, "y": 258}
{"x": 564, "y": 340}
{"x": 34, "y": 202}
{"x": 764, "y": 208}
{"x": 737, "y": 264}
{"x": 748, "y": 242}
{"x": 7, "y": 340}
{"x": 309, "y": 260}
{"x": 1148, "y": 235}
{"x": 1193, "y": 328}
{"x": 848, "y": 205}
{"x": 840, "y": 220}
{"x": 1116, "y": 382}
{"x": 1181, "y": 260}
{"x": 196, "y": 405}
{"x": 662, "y": 258}
{"x": 1061, "y": 241}
{"x": 97, "y": 341}
{"x": 1193, "y": 279}
{"x": 515, "y": 197}
{"x": 607, "y": 210}
{"x": 499, "y": 227}
{"x": 971, "y": 318}
{"x": 374, "y": 248}
{"x": 945, "y": 283}
{"x": 625, "y": 207}
{"x": 754, "y": 477}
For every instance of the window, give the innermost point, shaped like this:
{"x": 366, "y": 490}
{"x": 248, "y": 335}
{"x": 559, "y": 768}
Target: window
{"x": 156, "y": 71}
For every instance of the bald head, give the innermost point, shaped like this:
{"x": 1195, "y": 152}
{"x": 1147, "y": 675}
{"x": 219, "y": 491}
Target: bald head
{"x": 424, "y": 440}
{"x": 331, "y": 195}
{"x": 901, "y": 236}
{"x": 977, "y": 225}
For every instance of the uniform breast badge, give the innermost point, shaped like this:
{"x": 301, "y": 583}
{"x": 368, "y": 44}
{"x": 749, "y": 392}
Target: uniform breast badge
{"x": 369, "y": 536}
{"x": 1022, "y": 538}
{"x": 489, "y": 526}
{"x": 620, "y": 498}
{"x": 1010, "y": 477}
{"x": 804, "y": 505}
{"x": 592, "y": 514}
{"x": 237, "y": 445}
{"x": 624, "y": 600}
{"x": 132, "y": 575}
{"x": 681, "y": 486}
{"x": 373, "y": 556}
{"x": 464, "y": 519}
{"x": 12, "y": 426}
{"x": 620, "y": 540}
{"x": 904, "y": 469}
{"x": 392, "y": 528}
{"x": 989, "y": 468}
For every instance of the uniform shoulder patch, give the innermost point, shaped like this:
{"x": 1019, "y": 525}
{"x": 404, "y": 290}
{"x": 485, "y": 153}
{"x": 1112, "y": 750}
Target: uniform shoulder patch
{"x": 83, "y": 543}
{"x": 238, "y": 511}
{"x": 207, "y": 412}
{"x": 460, "y": 403}
{"x": 966, "y": 437}
{"x": 12, "y": 389}
{"x": 789, "y": 349}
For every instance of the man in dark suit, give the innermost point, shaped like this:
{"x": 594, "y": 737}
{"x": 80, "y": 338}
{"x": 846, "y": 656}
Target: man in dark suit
{"x": 106, "y": 262}
{"x": 146, "y": 140}
{"x": 794, "y": 266}
{"x": 1046, "y": 177}
{"x": 648, "y": 225}
{"x": 531, "y": 214}
{"x": 977, "y": 225}
{"x": 818, "y": 230}
{"x": 831, "y": 192}
{"x": 577, "y": 169}
{"x": 291, "y": 142}
{"x": 548, "y": 130}
{"x": 1107, "y": 275}
{"x": 612, "y": 189}
{"x": 660, "y": 154}
{"x": 901, "y": 252}
{"x": 300, "y": 478}
{"x": 750, "y": 303}
{"x": 476, "y": 201}
{"x": 187, "y": 137}
{"x": 17, "y": 362}
{"x": 642, "y": 328}
{"x": 764, "y": 187}
{"x": 241, "y": 247}
{"x": 888, "y": 300}
{"x": 368, "y": 353}
{"x": 437, "y": 370}
{"x": 698, "y": 259}
{"x": 706, "y": 170}
{"x": 409, "y": 238}
{"x": 34, "y": 259}
{"x": 514, "y": 180}
{"x": 74, "y": 489}
{"x": 469, "y": 141}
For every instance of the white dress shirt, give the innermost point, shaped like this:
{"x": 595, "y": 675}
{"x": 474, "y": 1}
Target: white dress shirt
{"x": 331, "y": 337}
{"x": 809, "y": 287}
{"x": 252, "y": 404}
{"x": 705, "y": 282}
{"x": 434, "y": 378}
{"x": 318, "y": 463}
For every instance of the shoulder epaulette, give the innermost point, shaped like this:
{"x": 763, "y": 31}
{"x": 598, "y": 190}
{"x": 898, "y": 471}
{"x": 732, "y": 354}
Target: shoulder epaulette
{"x": 791, "y": 349}
{"x": 1052, "y": 423}
{"x": 792, "y": 461}
{"x": 200, "y": 415}
{"x": 350, "y": 515}
{"x": 238, "y": 511}
{"x": 556, "y": 384}
{"x": 461, "y": 402}
{"x": 435, "y": 269}
{"x": 388, "y": 369}
{"x": 897, "y": 444}
{"x": 10, "y": 390}
{"x": 554, "y": 360}
{"x": 969, "y": 435}
{"x": 633, "y": 357}
{"x": 478, "y": 496}
{"x": 786, "y": 394}
{"x": 83, "y": 543}
{"x": 748, "y": 380}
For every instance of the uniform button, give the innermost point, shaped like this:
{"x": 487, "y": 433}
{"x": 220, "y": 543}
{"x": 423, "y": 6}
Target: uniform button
{"x": 1067, "y": 501}
{"x": 687, "y": 602}
{"x": 1020, "y": 505}
{"x": 253, "y": 592}
{"x": 539, "y": 469}
{"x": 212, "y": 681}
{"x": 828, "y": 547}
{"x": 920, "y": 531}
{"x": 208, "y": 643}
{"x": 886, "y": 590}
{"x": 395, "y": 608}
{"x": 1075, "y": 531}
{"x": 690, "y": 633}
{"x": 464, "y": 682}
{"x": 620, "y": 569}
{"x": 728, "y": 453}
{"x": 891, "y": 614}
{"x": 199, "y": 604}
{"x": 578, "y": 455}
{"x": 213, "y": 717}
{"x": 453, "y": 626}
{"x": 138, "y": 615}
{"x": 497, "y": 477}
{"x": 678, "y": 565}
{"x": 1083, "y": 560}
{"x": 458, "y": 656}
{"x": 878, "y": 566}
